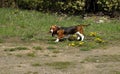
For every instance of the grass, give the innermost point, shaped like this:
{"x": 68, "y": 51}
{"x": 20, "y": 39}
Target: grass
{"x": 36, "y": 64}
{"x": 85, "y": 49}
{"x": 60, "y": 65}
{"x": 56, "y": 51}
{"x": 91, "y": 45}
{"x": 37, "y": 48}
{"x": 16, "y": 48}
{"x": 102, "y": 58}
{"x": 19, "y": 55}
{"x": 30, "y": 25}
{"x": 117, "y": 72}
{"x": 1, "y": 41}
{"x": 32, "y": 54}
{"x": 30, "y": 72}
{"x": 52, "y": 42}
{"x": 51, "y": 48}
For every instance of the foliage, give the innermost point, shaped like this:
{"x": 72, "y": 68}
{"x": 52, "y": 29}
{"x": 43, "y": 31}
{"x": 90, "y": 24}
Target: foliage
{"x": 8, "y": 3}
{"x": 35, "y": 25}
{"x": 109, "y": 5}
{"x": 61, "y": 6}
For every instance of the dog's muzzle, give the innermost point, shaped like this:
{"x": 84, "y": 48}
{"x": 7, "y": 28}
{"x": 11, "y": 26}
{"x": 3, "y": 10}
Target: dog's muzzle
{"x": 51, "y": 31}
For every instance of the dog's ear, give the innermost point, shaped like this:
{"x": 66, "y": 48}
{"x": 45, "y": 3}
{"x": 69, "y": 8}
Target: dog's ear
{"x": 54, "y": 25}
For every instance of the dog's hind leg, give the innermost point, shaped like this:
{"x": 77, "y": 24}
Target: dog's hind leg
{"x": 80, "y": 36}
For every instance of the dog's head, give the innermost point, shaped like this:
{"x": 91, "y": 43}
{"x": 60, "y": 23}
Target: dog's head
{"x": 53, "y": 29}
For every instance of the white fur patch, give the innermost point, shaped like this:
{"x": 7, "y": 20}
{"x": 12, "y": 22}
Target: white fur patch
{"x": 51, "y": 30}
{"x": 80, "y": 35}
{"x": 57, "y": 40}
{"x": 78, "y": 38}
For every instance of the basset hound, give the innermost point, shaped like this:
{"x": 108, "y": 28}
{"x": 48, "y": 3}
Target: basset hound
{"x": 62, "y": 32}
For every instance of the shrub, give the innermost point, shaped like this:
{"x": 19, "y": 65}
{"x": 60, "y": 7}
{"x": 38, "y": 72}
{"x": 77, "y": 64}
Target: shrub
{"x": 64, "y": 6}
{"x": 59, "y": 6}
{"x": 108, "y": 5}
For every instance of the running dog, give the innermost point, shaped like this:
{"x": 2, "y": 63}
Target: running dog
{"x": 62, "y": 32}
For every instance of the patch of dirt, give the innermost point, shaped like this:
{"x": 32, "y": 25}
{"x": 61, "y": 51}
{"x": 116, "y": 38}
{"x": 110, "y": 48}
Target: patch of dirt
{"x": 19, "y": 62}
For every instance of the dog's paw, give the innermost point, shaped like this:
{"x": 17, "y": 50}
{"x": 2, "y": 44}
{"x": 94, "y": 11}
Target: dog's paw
{"x": 57, "y": 40}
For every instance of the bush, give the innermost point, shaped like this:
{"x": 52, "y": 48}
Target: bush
{"x": 59, "y": 6}
{"x": 109, "y": 5}
{"x": 30, "y": 4}
{"x": 8, "y": 3}
{"x": 62, "y": 6}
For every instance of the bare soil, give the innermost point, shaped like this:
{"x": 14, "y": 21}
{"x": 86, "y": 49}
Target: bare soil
{"x": 98, "y": 61}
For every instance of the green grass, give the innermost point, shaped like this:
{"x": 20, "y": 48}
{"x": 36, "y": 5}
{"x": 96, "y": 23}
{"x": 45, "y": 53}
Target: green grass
{"x": 19, "y": 55}
{"x": 36, "y": 64}
{"x": 91, "y": 45}
{"x": 16, "y": 48}
{"x": 1, "y": 40}
{"x": 32, "y": 54}
{"x": 117, "y": 72}
{"x": 60, "y": 65}
{"x": 37, "y": 48}
{"x": 103, "y": 58}
{"x": 51, "y": 48}
{"x": 34, "y": 26}
{"x": 56, "y": 51}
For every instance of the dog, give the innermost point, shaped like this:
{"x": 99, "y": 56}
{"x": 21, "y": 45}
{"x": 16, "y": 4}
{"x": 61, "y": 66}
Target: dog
{"x": 62, "y": 32}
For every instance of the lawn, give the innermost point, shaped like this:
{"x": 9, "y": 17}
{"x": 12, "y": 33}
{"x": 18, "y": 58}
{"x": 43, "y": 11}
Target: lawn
{"x": 30, "y": 25}
{"x": 27, "y": 48}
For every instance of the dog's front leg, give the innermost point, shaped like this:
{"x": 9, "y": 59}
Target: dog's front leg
{"x": 57, "y": 40}
{"x": 60, "y": 35}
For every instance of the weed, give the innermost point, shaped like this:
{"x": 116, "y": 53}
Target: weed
{"x": 16, "y": 48}
{"x": 9, "y": 54}
{"x": 36, "y": 64}
{"x": 47, "y": 55}
{"x": 56, "y": 51}
{"x": 9, "y": 49}
{"x": 22, "y": 48}
{"x": 31, "y": 54}
{"x": 35, "y": 73}
{"x": 19, "y": 55}
{"x": 30, "y": 72}
{"x": 117, "y": 72}
{"x": 93, "y": 34}
{"x": 59, "y": 65}
{"x": 99, "y": 40}
{"x": 52, "y": 42}
{"x": 1, "y": 40}
{"x": 37, "y": 48}
{"x": 54, "y": 55}
{"x": 51, "y": 47}
{"x": 85, "y": 48}
{"x": 103, "y": 58}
